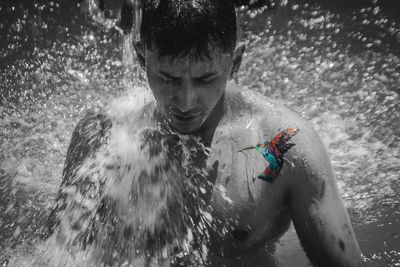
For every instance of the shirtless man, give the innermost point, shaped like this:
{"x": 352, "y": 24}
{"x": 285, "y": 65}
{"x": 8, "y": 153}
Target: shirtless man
{"x": 188, "y": 51}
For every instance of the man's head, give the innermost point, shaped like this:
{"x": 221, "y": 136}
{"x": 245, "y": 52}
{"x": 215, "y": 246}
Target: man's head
{"x": 187, "y": 49}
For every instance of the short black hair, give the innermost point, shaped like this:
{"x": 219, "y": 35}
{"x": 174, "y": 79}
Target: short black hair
{"x": 177, "y": 27}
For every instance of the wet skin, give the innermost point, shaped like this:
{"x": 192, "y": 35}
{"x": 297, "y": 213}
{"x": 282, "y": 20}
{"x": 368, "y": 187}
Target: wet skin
{"x": 258, "y": 212}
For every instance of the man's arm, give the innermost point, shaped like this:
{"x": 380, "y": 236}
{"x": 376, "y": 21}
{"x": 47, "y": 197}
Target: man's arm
{"x": 72, "y": 209}
{"x": 318, "y": 213}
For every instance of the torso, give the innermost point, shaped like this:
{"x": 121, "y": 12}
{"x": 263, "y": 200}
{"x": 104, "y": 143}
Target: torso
{"x": 252, "y": 213}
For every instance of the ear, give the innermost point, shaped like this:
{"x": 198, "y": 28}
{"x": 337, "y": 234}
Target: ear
{"x": 237, "y": 58}
{"x": 140, "y": 53}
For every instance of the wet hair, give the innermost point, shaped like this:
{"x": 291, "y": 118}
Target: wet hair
{"x": 177, "y": 27}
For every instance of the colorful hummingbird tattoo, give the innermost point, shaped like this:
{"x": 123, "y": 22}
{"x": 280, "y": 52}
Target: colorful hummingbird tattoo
{"x": 273, "y": 152}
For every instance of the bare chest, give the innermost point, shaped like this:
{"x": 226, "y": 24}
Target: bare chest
{"x": 250, "y": 212}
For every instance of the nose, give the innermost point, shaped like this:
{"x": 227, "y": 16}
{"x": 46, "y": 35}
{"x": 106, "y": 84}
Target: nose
{"x": 186, "y": 97}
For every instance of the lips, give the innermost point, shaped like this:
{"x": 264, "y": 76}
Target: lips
{"x": 185, "y": 117}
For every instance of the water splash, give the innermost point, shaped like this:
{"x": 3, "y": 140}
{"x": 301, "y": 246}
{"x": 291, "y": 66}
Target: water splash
{"x": 137, "y": 204}
{"x": 329, "y": 67}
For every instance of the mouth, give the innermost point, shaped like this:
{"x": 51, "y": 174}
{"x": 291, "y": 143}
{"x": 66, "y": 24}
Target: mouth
{"x": 188, "y": 117}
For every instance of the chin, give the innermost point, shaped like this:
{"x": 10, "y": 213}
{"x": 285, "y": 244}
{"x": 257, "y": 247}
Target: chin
{"x": 186, "y": 130}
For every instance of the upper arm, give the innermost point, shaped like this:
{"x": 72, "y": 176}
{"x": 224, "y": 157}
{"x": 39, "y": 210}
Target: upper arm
{"x": 318, "y": 212}
{"x": 89, "y": 134}
{"x": 71, "y": 206}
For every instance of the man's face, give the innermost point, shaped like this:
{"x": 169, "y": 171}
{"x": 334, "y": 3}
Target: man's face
{"x": 187, "y": 90}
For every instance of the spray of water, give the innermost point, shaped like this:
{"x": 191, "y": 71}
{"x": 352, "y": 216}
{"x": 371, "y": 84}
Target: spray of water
{"x": 301, "y": 57}
{"x": 138, "y": 198}
{"x": 135, "y": 199}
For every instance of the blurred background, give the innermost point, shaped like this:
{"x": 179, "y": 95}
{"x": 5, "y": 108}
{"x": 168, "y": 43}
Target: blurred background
{"x": 337, "y": 63}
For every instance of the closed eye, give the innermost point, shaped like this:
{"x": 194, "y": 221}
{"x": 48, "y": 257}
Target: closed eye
{"x": 165, "y": 77}
{"x": 207, "y": 78}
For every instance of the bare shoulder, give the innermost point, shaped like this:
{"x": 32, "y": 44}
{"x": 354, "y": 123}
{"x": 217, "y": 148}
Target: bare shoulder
{"x": 95, "y": 127}
{"x": 266, "y": 112}
{"x": 254, "y": 111}
{"x": 89, "y": 134}
{"x": 265, "y": 117}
